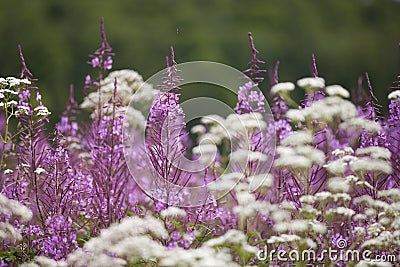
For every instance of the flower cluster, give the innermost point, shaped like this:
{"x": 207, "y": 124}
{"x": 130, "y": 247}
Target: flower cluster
{"x": 71, "y": 196}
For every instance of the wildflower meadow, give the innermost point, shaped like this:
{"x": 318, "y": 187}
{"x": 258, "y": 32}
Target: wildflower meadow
{"x": 151, "y": 180}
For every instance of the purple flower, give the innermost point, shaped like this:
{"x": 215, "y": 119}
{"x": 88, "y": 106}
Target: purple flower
{"x": 95, "y": 62}
{"x": 108, "y": 63}
{"x": 248, "y": 100}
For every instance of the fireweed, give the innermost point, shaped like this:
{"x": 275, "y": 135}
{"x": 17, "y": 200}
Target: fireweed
{"x": 68, "y": 197}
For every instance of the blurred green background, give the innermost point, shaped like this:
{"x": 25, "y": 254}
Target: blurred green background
{"x": 348, "y": 37}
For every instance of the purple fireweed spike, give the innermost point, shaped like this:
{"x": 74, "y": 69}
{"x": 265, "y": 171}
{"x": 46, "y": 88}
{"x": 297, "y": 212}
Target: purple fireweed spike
{"x": 314, "y": 66}
{"x": 276, "y": 70}
{"x": 25, "y": 72}
{"x": 171, "y": 79}
{"x": 372, "y": 107}
{"x": 103, "y": 34}
{"x": 254, "y": 69}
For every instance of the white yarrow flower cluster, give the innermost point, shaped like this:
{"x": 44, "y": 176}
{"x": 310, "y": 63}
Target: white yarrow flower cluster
{"x": 337, "y": 90}
{"x": 130, "y": 89}
{"x": 173, "y": 212}
{"x": 282, "y": 88}
{"x": 370, "y": 161}
{"x": 297, "y": 151}
{"x": 8, "y": 208}
{"x": 12, "y": 81}
{"x": 325, "y": 110}
{"x": 225, "y": 182}
{"x": 42, "y": 111}
{"x": 311, "y": 83}
{"x": 394, "y": 95}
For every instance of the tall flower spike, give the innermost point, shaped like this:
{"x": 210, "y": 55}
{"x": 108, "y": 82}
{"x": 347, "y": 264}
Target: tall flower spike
{"x": 394, "y": 106}
{"x": 102, "y": 57}
{"x": 276, "y": 70}
{"x": 314, "y": 66}
{"x": 104, "y": 43}
{"x": 372, "y": 107}
{"x": 72, "y": 106}
{"x": 171, "y": 79}
{"x": 25, "y": 72}
{"x": 68, "y": 124}
{"x": 164, "y": 136}
{"x": 254, "y": 69}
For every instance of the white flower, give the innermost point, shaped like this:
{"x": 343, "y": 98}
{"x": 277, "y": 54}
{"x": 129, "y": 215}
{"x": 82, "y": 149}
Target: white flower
{"x": 283, "y": 238}
{"x": 341, "y": 211}
{"x": 12, "y": 207}
{"x": 42, "y": 261}
{"x": 295, "y": 115}
{"x": 373, "y": 263}
{"x": 338, "y": 184}
{"x": 393, "y": 193}
{"x": 134, "y": 118}
{"x": 323, "y": 196}
{"x": 359, "y": 217}
{"x": 311, "y": 83}
{"x": 394, "y": 94}
{"x": 338, "y": 166}
{"x": 281, "y": 215}
{"x": 318, "y": 227}
{"x": 232, "y": 237}
{"x": 348, "y": 150}
{"x": 241, "y": 124}
{"x": 12, "y": 81}
{"x": 298, "y": 225}
{"x": 198, "y": 129}
{"x": 326, "y": 110}
{"x": 212, "y": 119}
{"x": 243, "y": 156}
{"x": 375, "y": 152}
{"x": 261, "y": 180}
{"x": 298, "y": 138}
{"x": 361, "y": 123}
{"x": 12, "y": 103}
{"x": 307, "y": 199}
{"x": 138, "y": 247}
{"x": 173, "y": 212}
{"x": 351, "y": 179}
{"x": 23, "y": 110}
{"x": 40, "y": 170}
{"x": 338, "y": 153}
{"x": 205, "y": 149}
{"x": 3, "y": 81}
{"x": 315, "y": 155}
{"x": 282, "y": 88}
{"x": 8, "y": 232}
{"x": 337, "y": 90}
{"x": 375, "y": 228}
{"x": 225, "y": 182}
{"x": 367, "y": 164}
{"x": 130, "y": 89}
{"x": 294, "y": 161}
{"x": 8, "y": 171}
{"x": 341, "y": 197}
{"x": 25, "y": 81}
{"x": 42, "y": 111}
